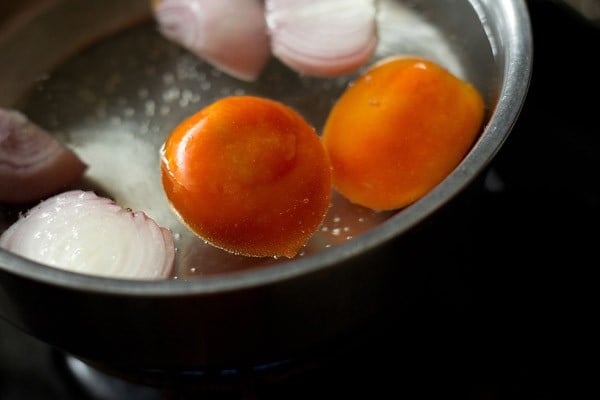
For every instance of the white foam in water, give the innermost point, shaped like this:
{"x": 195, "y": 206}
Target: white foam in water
{"x": 125, "y": 166}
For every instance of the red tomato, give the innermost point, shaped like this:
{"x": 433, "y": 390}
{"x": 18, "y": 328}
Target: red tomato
{"x": 399, "y": 130}
{"x": 249, "y": 175}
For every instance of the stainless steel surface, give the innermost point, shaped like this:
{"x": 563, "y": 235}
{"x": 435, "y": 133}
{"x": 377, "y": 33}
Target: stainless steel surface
{"x": 109, "y": 86}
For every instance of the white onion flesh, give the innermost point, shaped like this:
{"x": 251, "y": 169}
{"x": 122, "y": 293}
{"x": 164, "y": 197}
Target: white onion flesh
{"x": 33, "y": 164}
{"x": 81, "y": 232}
{"x": 322, "y": 37}
{"x": 229, "y": 34}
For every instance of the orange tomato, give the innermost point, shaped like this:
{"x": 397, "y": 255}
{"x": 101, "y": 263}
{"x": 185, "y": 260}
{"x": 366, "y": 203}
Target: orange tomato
{"x": 248, "y": 175}
{"x": 399, "y": 130}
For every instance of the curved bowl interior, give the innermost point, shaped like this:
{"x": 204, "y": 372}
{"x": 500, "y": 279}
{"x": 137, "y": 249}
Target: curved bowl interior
{"x": 108, "y": 85}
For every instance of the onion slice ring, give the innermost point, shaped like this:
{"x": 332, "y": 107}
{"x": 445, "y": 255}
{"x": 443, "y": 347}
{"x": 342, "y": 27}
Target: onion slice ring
{"x": 33, "y": 163}
{"x": 322, "y": 38}
{"x": 81, "y": 232}
{"x": 231, "y": 35}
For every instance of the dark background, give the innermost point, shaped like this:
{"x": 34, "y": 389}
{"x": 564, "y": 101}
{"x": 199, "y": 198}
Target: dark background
{"x": 504, "y": 313}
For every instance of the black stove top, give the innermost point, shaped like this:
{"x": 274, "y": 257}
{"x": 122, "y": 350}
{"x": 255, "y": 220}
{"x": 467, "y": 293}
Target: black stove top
{"x": 492, "y": 322}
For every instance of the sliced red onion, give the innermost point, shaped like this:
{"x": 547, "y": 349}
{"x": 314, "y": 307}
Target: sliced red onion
{"x": 33, "y": 163}
{"x": 81, "y": 232}
{"x": 322, "y": 37}
{"x": 229, "y": 34}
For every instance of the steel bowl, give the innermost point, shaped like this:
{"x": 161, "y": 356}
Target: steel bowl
{"x": 103, "y": 80}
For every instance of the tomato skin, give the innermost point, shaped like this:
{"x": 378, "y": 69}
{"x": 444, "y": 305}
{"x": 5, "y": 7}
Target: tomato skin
{"x": 249, "y": 175}
{"x": 399, "y": 130}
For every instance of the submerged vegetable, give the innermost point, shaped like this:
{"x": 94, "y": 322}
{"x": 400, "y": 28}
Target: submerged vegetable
{"x": 399, "y": 130}
{"x": 33, "y": 164}
{"x": 229, "y": 34}
{"x": 249, "y": 175}
{"x": 322, "y": 37}
{"x": 81, "y": 232}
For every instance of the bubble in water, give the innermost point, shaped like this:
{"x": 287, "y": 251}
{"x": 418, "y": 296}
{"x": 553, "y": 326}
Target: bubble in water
{"x": 171, "y": 94}
{"x": 143, "y": 93}
{"x": 165, "y": 110}
{"x": 150, "y": 108}
{"x": 168, "y": 78}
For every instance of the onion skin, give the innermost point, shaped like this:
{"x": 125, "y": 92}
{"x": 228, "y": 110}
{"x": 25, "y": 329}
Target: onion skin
{"x": 323, "y": 38}
{"x": 81, "y": 232}
{"x": 33, "y": 164}
{"x": 231, "y": 35}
